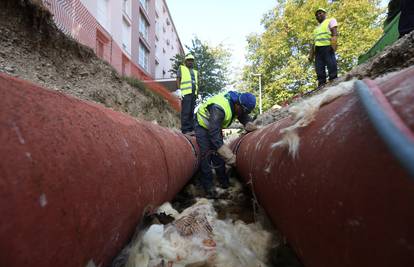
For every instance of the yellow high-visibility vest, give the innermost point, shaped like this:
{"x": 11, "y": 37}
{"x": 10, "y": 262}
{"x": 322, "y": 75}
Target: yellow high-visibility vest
{"x": 322, "y": 34}
{"x": 223, "y": 101}
{"x": 186, "y": 82}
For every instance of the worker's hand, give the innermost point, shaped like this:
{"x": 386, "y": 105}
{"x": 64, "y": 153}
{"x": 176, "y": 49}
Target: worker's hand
{"x": 334, "y": 43}
{"x": 177, "y": 93}
{"x": 199, "y": 98}
{"x": 250, "y": 127}
{"x": 228, "y": 156}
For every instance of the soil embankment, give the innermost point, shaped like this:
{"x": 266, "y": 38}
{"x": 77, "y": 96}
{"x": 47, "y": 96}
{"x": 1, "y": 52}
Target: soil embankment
{"x": 32, "y": 48}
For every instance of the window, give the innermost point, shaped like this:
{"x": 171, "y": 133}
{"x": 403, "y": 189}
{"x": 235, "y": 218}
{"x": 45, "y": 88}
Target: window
{"x": 102, "y": 13}
{"x": 158, "y": 6}
{"x": 99, "y": 48}
{"x": 143, "y": 27}
{"x": 101, "y": 43}
{"x": 125, "y": 65}
{"x": 143, "y": 57}
{"x": 144, "y": 4}
{"x": 126, "y": 36}
{"x": 126, "y": 7}
{"x": 158, "y": 29}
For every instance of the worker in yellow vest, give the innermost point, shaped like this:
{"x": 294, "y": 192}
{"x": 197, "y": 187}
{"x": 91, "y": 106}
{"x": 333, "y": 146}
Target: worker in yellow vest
{"x": 187, "y": 84}
{"x": 323, "y": 50}
{"x": 215, "y": 114}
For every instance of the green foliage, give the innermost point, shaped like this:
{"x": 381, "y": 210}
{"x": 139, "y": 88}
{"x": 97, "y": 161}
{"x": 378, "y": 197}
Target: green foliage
{"x": 212, "y": 64}
{"x": 280, "y": 54}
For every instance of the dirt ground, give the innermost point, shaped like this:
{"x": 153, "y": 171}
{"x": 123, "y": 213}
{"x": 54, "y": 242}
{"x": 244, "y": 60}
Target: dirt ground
{"x": 32, "y": 48}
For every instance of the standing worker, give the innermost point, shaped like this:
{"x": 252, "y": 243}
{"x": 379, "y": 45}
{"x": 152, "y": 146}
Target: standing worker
{"x": 406, "y": 23}
{"x": 217, "y": 113}
{"x": 187, "y": 84}
{"x": 323, "y": 50}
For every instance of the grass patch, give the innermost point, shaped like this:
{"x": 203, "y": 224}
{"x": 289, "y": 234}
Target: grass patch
{"x": 156, "y": 99}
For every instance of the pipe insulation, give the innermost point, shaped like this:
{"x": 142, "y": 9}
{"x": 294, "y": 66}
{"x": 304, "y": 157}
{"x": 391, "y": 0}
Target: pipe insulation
{"x": 329, "y": 182}
{"x": 76, "y": 178}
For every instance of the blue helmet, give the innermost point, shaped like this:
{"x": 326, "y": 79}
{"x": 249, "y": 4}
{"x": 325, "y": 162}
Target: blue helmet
{"x": 247, "y": 101}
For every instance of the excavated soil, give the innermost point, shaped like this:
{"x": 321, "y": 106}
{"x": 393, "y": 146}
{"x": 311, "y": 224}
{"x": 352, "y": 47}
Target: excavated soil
{"x": 32, "y": 48}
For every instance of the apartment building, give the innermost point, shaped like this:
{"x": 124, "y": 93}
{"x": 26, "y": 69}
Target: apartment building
{"x": 137, "y": 37}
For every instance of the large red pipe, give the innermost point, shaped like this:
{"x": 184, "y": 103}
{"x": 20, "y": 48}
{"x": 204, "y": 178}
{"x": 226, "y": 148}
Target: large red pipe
{"x": 75, "y": 177}
{"x": 345, "y": 200}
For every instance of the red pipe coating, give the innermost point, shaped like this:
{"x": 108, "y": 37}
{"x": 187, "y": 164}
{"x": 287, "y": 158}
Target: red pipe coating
{"x": 75, "y": 177}
{"x": 345, "y": 200}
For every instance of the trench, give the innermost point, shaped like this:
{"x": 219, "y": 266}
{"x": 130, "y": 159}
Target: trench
{"x": 229, "y": 230}
{"x": 324, "y": 200}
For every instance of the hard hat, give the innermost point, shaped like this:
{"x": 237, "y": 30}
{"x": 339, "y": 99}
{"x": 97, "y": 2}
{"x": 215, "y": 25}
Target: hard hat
{"x": 320, "y": 9}
{"x": 189, "y": 56}
{"x": 247, "y": 101}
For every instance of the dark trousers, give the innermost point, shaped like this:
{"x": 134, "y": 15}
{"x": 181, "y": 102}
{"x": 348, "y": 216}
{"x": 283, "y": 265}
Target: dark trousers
{"x": 209, "y": 160}
{"x": 406, "y": 23}
{"x": 325, "y": 57}
{"x": 187, "y": 113}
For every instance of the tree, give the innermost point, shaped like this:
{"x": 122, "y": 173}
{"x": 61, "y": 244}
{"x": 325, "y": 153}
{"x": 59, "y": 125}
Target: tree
{"x": 212, "y": 64}
{"x": 280, "y": 53}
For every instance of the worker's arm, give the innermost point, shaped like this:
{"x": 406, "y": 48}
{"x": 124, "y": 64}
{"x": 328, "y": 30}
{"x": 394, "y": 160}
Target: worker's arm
{"x": 216, "y": 137}
{"x": 178, "y": 82}
{"x": 214, "y": 125}
{"x": 244, "y": 118}
{"x": 312, "y": 53}
{"x": 178, "y": 77}
{"x": 334, "y": 40}
{"x": 247, "y": 122}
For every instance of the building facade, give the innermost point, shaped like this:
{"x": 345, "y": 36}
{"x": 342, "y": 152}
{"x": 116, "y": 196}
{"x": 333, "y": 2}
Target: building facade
{"x": 137, "y": 37}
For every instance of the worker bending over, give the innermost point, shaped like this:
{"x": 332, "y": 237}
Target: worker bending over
{"x": 217, "y": 113}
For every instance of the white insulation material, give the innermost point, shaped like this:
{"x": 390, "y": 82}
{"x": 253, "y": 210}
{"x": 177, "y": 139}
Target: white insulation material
{"x": 198, "y": 238}
{"x": 304, "y": 113}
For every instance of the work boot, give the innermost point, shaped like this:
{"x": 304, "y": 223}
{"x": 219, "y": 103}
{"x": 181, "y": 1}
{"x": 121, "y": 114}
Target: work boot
{"x": 192, "y": 133}
{"x": 224, "y": 183}
{"x": 211, "y": 193}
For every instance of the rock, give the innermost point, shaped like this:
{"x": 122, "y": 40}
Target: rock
{"x": 40, "y": 77}
{"x": 9, "y": 69}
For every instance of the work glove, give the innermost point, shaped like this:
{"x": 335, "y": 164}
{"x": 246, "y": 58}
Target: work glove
{"x": 250, "y": 127}
{"x": 228, "y": 156}
{"x": 178, "y": 93}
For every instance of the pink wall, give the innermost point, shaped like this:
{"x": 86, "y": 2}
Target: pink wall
{"x": 74, "y": 19}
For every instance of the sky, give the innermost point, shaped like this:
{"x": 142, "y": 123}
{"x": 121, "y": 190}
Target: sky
{"x": 216, "y": 22}
{"x": 226, "y": 22}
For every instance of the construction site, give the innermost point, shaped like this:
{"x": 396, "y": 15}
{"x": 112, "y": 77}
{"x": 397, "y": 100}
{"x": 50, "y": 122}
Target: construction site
{"x": 94, "y": 170}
